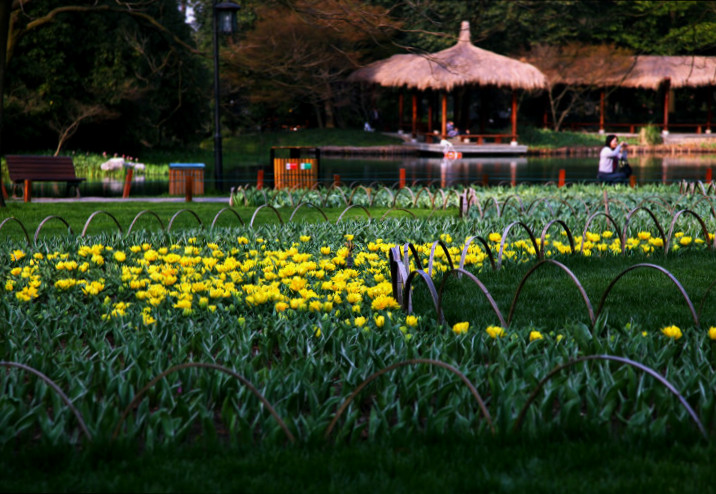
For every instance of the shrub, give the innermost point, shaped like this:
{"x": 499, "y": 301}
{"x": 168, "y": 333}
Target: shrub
{"x": 650, "y": 135}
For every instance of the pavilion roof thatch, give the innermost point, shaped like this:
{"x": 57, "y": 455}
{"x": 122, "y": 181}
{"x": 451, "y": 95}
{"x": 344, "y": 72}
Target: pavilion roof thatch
{"x": 650, "y": 71}
{"x": 632, "y": 71}
{"x": 460, "y": 65}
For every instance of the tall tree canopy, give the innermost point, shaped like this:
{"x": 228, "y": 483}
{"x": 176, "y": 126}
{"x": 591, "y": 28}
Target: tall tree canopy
{"x": 126, "y": 68}
{"x": 303, "y": 55}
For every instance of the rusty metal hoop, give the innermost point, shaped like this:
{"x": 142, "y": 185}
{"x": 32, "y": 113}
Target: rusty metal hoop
{"x": 572, "y": 276}
{"x": 12, "y": 218}
{"x": 43, "y": 222}
{"x": 92, "y": 216}
{"x": 661, "y": 270}
{"x": 253, "y": 216}
{"x": 142, "y": 213}
{"x": 137, "y": 397}
{"x": 223, "y": 210}
{"x": 648, "y": 370}
{"x": 181, "y": 211}
{"x": 439, "y": 363}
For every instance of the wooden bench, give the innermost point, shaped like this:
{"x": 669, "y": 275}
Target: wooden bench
{"x": 25, "y": 169}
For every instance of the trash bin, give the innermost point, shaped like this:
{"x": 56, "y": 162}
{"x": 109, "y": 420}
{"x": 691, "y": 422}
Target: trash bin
{"x": 295, "y": 167}
{"x": 178, "y": 173}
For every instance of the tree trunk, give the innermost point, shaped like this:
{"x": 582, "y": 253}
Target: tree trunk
{"x": 5, "y": 8}
{"x": 330, "y": 117}
{"x": 319, "y": 117}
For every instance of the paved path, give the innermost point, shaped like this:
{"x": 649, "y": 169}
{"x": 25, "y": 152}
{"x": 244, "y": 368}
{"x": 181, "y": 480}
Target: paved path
{"x": 119, "y": 199}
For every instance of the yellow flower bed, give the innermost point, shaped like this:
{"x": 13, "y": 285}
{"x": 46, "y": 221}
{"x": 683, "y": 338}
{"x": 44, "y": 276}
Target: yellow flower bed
{"x": 351, "y": 282}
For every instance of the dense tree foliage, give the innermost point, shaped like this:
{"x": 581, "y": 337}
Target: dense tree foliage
{"x": 122, "y": 74}
{"x": 303, "y": 60}
{"x": 113, "y": 76}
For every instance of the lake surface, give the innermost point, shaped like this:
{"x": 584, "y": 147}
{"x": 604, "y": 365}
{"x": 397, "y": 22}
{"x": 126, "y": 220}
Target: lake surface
{"x": 435, "y": 171}
{"x": 512, "y": 170}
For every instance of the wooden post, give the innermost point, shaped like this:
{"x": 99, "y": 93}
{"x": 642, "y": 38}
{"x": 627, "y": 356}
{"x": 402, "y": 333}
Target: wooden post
{"x": 27, "y": 193}
{"x": 667, "y": 87}
{"x": 443, "y": 123}
{"x": 260, "y": 180}
{"x": 514, "y": 115}
{"x": 188, "y": 186}
{"x": 709, "y": 98}
{"x": 485, "y": 180}
{"x": 562, "y": 176}
{"x": 602, "y": 109}
{"x": 336, "y": 180}
{"x": 402, "y": 178}
{"x": 632, "y": 181}
{"x": 414, "y": 117}
{"x": 400, "y": 111}
{"x": 430, "y": 114}
{"x": 127, "y": 182}
{"x": 709, "y": 175}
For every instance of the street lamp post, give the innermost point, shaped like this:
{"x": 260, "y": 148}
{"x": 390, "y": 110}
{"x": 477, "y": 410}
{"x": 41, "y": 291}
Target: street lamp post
{"x": 224, "y": 21}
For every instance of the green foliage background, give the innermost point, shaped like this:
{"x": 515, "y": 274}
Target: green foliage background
{"x": 151, "y": 91}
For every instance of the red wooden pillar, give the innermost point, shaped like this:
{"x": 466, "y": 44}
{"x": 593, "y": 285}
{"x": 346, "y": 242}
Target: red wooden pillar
{"x": 667, "y": 87}
{"x": 443, "y": 123}
{"x": 188, "y": 186}
{"x": 562, "y": 177}
{"x": 602, "y": 109}
{"x": 402, "y": 178}
{"x": 709, "y": 98}
{"x": 260, "y": 180}
{"x": 415, "y": 115}
{"x": 430, "y": 114}
{"x": 27, "y": 191}
{"x": 514, "y": 115}
{"x": 127, "y": 182}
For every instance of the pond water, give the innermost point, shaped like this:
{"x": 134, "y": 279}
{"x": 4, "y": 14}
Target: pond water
{"x": 511, "y": 170}
{"x": 435, "y": 171}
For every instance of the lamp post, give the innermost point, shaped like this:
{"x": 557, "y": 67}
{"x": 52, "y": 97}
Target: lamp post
{"x": 224, "y": 21}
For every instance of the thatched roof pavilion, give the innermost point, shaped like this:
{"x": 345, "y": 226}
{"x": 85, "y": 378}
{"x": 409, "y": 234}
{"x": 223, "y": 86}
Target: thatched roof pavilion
{"x": 463, "y": 64}
{"x": 651, "y": 72}
{"x": 460, "y": 65}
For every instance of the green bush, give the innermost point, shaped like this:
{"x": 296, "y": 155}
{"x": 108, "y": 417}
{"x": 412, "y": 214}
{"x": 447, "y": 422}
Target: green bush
{"x": 650, "y": 135}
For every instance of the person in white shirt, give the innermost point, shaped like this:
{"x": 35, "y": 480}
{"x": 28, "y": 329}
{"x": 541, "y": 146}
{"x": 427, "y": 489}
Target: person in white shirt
{"x": 609, "y": 157}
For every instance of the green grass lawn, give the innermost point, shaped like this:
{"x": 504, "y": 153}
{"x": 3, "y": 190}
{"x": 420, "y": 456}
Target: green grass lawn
{"x": 194, "y": 215}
